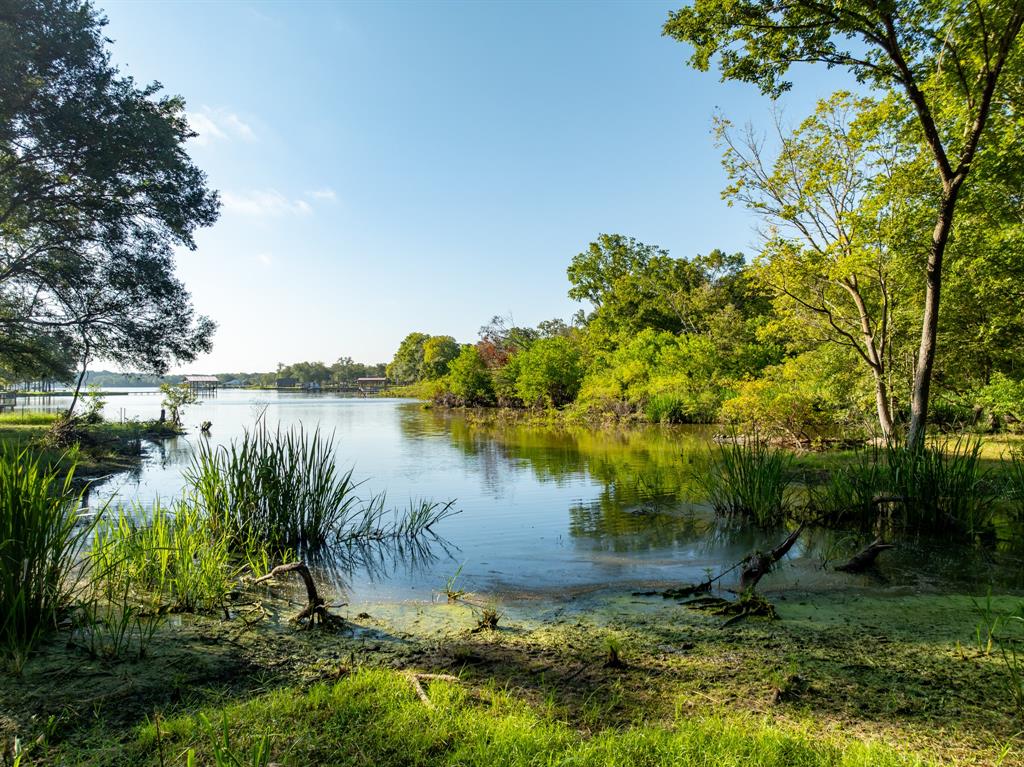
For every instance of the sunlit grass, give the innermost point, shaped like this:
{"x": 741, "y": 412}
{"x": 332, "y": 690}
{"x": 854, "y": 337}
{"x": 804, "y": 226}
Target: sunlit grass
{"x": 374, "y": 717}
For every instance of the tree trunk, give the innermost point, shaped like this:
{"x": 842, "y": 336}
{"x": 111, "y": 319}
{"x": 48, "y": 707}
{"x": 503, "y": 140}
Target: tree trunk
{"x": 882, "y": 403}
{"x": 78, "y": 385}
{"x": 930, "y": 322}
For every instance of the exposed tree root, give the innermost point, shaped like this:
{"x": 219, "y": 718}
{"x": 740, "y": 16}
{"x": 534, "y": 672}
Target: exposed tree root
{"x": 749, "y": 605}
{"x": 315, "y": 612}
{"x": 864, "y": 558}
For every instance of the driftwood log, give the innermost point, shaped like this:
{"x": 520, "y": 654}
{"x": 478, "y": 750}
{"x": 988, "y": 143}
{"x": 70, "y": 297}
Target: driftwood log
{"x": 760, "y": 563}
{"x": 315, "y": 611}
{"x": 864, "y": 558}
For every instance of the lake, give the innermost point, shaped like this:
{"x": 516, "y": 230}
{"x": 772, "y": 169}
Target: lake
{"x": 543, "y": 509}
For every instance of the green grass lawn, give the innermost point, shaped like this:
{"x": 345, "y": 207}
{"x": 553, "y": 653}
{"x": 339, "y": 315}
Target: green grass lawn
{"x": 374, "y": 717}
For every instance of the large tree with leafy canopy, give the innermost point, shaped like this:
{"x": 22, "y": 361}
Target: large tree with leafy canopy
{"x": 96, "y": 192}
{"x": 948, "y": 60}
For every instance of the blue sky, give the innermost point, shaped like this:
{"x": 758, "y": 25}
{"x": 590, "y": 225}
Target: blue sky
{"x": 389, "y": 167}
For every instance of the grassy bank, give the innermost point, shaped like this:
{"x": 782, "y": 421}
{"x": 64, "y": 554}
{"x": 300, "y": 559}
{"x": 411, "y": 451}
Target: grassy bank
{"x": 837, "y": 680}
{"x": 97, "y": 449}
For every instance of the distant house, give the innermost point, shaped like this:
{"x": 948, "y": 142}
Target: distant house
{"x": 202, "y": 383}
{"x": 234, "y": 383}
{"x": 312, "y": 386}
{"x": 286, "y": 383}
{"x": 371, "y": 383}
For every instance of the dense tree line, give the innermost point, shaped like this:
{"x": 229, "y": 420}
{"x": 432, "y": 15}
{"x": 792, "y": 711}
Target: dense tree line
{"x": 765, "y": 341}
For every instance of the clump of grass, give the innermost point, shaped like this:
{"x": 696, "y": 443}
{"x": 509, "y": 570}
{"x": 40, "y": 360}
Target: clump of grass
{"x": 451, "y": 589}
{"x": 849, "y": 496}
{"x": 1015, "y": 482}
{"x": 488, "y": 620}
{"x": 41, "y": 535}
{"x": 613, "y": 652}
{"x": 942, "y": 487}
{"x": 282, "y": 487}
{"x": 939, "y": 488}
{"x": 175, "y": 558}
{"x": 748, "y": 480}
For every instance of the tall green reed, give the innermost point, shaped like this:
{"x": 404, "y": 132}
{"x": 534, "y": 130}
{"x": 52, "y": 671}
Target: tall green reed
{"x": 172, "y": 558}
{"x": 942, "y": 487}
{"x": 281, "y": 487}
{"x": 748, "y": 480}
{"x": 41, "y": 536}
{"x": 282, "y": 490}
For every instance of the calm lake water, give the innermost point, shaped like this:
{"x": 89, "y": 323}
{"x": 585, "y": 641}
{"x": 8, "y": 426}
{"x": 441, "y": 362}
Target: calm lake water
{"x": 542, "y": 509}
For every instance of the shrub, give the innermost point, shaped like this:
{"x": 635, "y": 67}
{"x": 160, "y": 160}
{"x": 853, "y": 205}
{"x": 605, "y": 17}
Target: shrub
{"x": 468, "y": 379}
{"x": 550, "y": 372}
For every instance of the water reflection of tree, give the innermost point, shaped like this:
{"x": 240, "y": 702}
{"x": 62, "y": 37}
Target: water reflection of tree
{"x": 637, "y": 468}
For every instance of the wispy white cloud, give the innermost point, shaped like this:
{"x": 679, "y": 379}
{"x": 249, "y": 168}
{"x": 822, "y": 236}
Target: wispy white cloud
{"x": 325, "y": 194}
{"x": 264, "y": 203}
{"x": 265, "y": 258}
{"x": 218, "y": 125}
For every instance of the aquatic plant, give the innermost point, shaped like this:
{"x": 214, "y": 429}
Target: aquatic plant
{"x": 175, "y": 558}
{"x": 282, "y": 490}
{"x": 942, "y": 487}
{"x": 41, "y": 535}
{"x": 850, "y": 494}
{"x": 451, "y": 590}
{"x": 748, "y": 479}
{"x": 282, "y": 487}
{"x": 1015, "y": 482}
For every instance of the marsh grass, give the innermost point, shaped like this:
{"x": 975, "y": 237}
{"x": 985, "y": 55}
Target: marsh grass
{"x": 941, "y": 488}
{"x": 748, "y": 480}
{"x": 28, "y": 418}
{"x": 173, "y": 558}
{"x": 283, "y": 489}
{"x": 41, "y": 536}
{"x": 1015, "y": 483}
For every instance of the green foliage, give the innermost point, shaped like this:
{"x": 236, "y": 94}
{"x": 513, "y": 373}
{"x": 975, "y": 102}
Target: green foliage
{"x": 407, "y": 365}
{"x": 550, "y": 372}
{"x": 469, "y": 380}
{"x": 1003, "y": 397}
{"x": 749, "y": 480}
{"x": 438, "y": 354}
{"x": 173, "y": 559}
{"x": 94, "y": 403}
{"x": 175, "y": 398}
{"x": 788, "y": 400}
{"x": 91, "y": 216}
{"x": 942, "y": 487}
{"x": 41, "y": 535}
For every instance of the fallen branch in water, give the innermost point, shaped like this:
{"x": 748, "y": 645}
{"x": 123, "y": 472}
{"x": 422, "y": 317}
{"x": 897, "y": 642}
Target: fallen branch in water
{"x": 864, "y": 558}
{"x": 315, "y": 611}
{"x": 759, "y": 564}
